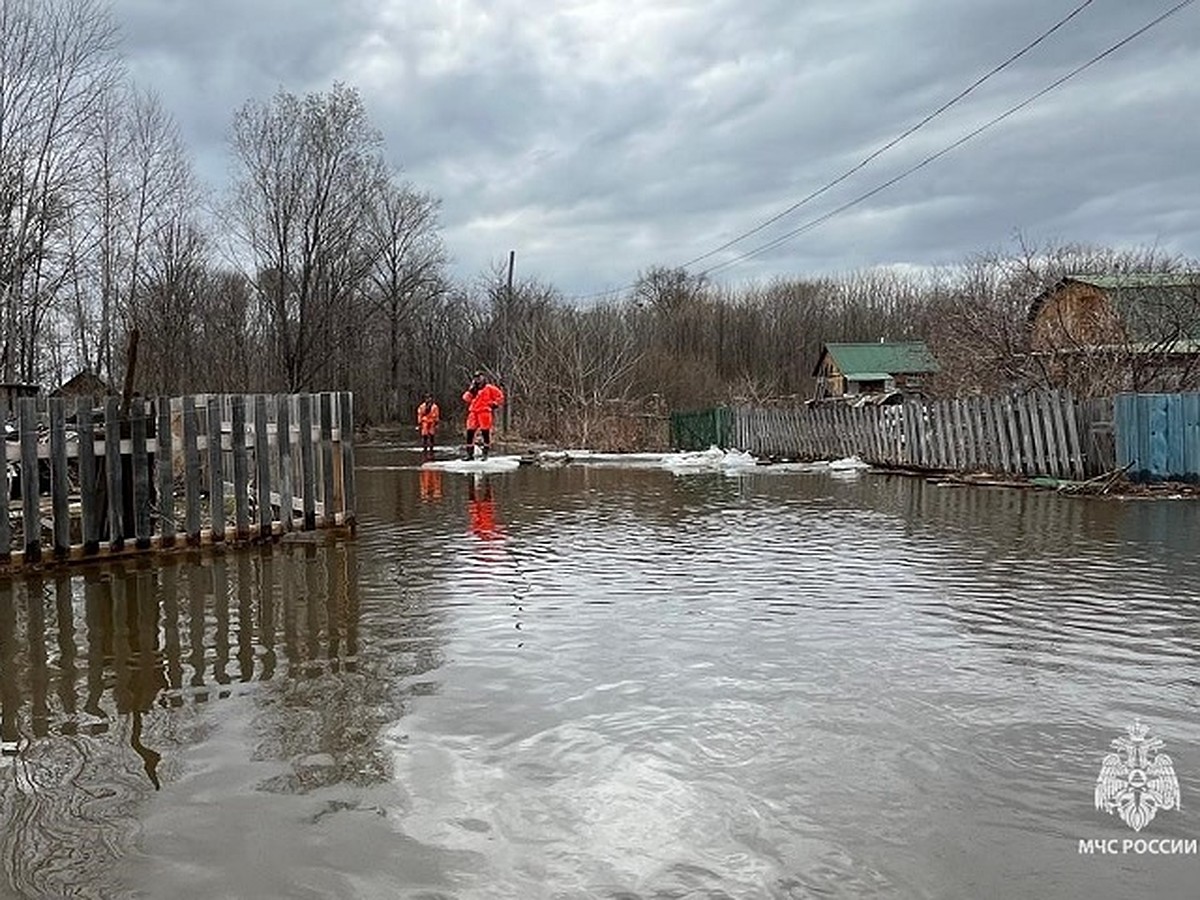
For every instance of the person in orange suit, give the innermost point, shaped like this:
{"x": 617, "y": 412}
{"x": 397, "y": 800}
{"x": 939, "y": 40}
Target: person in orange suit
{"x": 482, "y": 398}
{"x": 428, "y": 415}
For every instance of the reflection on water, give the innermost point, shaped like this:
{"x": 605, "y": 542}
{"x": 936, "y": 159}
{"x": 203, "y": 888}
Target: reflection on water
{"x": 481, "y": 509}
{"x": 603, "y": 682}
{"x": 102, "y": 674}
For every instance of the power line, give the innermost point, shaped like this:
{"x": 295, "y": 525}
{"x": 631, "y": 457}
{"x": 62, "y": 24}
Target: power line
{"x": 876, "y": 153}
{"x": 894, "y": 141}
{"x": 807, "y": 226}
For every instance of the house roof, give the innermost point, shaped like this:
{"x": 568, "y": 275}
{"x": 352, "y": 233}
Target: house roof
{"x": 880, "y": 360}
{"x": 1154, "y": 306}
{"x": 83, "y": 382}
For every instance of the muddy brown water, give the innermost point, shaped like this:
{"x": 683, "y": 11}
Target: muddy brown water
{"x": 613, "y": 682}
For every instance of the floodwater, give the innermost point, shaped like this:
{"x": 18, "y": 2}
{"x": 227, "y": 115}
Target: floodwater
{"x": 597, "y": 681}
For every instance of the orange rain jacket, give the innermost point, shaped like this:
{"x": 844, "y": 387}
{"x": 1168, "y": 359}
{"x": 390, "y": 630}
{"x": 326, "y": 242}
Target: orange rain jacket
{"x": 428, "y": 415}
{"x": 480, "y": 404}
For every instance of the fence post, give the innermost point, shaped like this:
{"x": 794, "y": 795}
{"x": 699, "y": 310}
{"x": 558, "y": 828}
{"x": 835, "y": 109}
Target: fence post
{"x": 59, "y": 483}
{"x": 308, "y": 479}
{"x": 113, "y": 474}
{"x": 327, "y": 457}
{"x": 30, "y": 478}
{"x": 287, "y": 507}
{"x": 140, "y": 472}
{"x": 262, "y": 460}
{"x": 241, "y": 466}
{"x": 216, "y": 468}
{"x": 164, "y": 465}
{"x": 346, "y": 410}
{"x": 191, "y": 464}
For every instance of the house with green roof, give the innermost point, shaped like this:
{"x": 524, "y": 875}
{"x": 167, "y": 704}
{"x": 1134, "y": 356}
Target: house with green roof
{"x": 878, "y": 369}
{"x": 1135, "y": 330}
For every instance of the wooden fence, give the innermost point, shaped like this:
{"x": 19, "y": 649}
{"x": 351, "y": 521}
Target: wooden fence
{"x": 1158, "y": 436}
{"x": 85, "y": 481}
{"x": 1032, "y": 434}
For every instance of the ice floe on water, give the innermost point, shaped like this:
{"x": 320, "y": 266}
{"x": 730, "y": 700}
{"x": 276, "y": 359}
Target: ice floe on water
{"x": 848, "y": 464}
{"x": 491, "y": 464}
{"x": 714, "y": 459}
{"x": 687, "y": 462}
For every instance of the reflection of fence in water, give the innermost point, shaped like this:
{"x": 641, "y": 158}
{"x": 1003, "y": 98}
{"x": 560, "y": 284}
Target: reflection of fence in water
{"x": 75, "y": 652}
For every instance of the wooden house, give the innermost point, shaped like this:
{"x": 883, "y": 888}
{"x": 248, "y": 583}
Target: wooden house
{"x": 1132, "y": 331}
{"x": 878, "y": 369}
{"x": 84, "y": 384}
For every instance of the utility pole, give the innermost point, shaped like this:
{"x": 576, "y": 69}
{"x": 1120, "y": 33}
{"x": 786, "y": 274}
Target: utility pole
{"x": 504, "y": 356}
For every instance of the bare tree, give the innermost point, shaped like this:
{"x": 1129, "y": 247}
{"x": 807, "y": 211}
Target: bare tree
{"x": 311, "y": 171}
{"x": 57, "y": 66}
{"x": 407, "y": 275}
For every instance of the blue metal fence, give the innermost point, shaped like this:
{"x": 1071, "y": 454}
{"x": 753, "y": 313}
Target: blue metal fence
{"x": 1158, "y": 436}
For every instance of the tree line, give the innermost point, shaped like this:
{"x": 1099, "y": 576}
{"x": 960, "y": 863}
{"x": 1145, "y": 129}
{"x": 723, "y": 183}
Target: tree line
{"x": 323, "y": 269}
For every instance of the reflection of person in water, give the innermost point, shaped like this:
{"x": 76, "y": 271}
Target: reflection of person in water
{"x": 481, "y": 510}
{"x": 431, "y": 484}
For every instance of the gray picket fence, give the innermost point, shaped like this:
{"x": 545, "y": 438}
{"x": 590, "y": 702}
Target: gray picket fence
{"x": 1031, "y": 434}
{"x": 87, "y": 480}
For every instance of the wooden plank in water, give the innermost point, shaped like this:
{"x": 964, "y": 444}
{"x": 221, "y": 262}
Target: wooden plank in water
{"x": 308, "y": 476}
{"x": 140, "y": 470}
{"x": 262, "y": 463}
{"x": 979, "y": 441}
{"x": 216, "y": 469}
{"x": 164, "y": 470}
{"x": 191, "y": 465}
{"x": 346, "y": 426}
{"x": 327, "y": 456}
{"x": 1075, "y": 446}
{"x": 283, "y": 414}
{"x": 60, "y": 485}
{"x": 1029, "y": 463}
{"x": 90, "y": 511}
{"x": 241, "y": 468}
{"x": 113, "y": 474}
{"x": 5, "y": 524}
{"x": 30, "y": 486}
{"x": 1036, "y": 433}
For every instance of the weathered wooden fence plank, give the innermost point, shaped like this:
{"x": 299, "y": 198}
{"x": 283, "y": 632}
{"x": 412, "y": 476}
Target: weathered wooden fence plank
{"x": 308, "y": 476}
{"x": 5, "y": 523}
{"x": 140, "y": 472}
{"x": 89, "y": 499}
{"x": 60, "y": 487}
{"x": 262, "y": 459}
{"x": 287, "y": 511}
{"x": 326, "y": 451}
{"x": 346, "y": 446}
{"x": 214, "y": 435}
{"x": 164, "y": 470}
{"x": 114, "y": 477}
{"x": 1071, "y": 416}
{"x": 191, "y": 466}
{"x": 241, "y": 469}
{"x": 30, "y": 479}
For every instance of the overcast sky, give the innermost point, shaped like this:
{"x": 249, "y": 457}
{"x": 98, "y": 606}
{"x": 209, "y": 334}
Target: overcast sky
{"x": 597, "y": 138}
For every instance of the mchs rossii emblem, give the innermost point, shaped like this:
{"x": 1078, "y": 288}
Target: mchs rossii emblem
{"x": 1136, "y": 781}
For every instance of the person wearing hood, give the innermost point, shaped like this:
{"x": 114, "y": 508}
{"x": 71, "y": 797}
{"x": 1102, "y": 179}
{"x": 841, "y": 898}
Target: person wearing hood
{"x": 482, "y": 398}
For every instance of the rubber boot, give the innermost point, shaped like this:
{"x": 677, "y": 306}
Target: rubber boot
{"x": 486, "y": 449}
